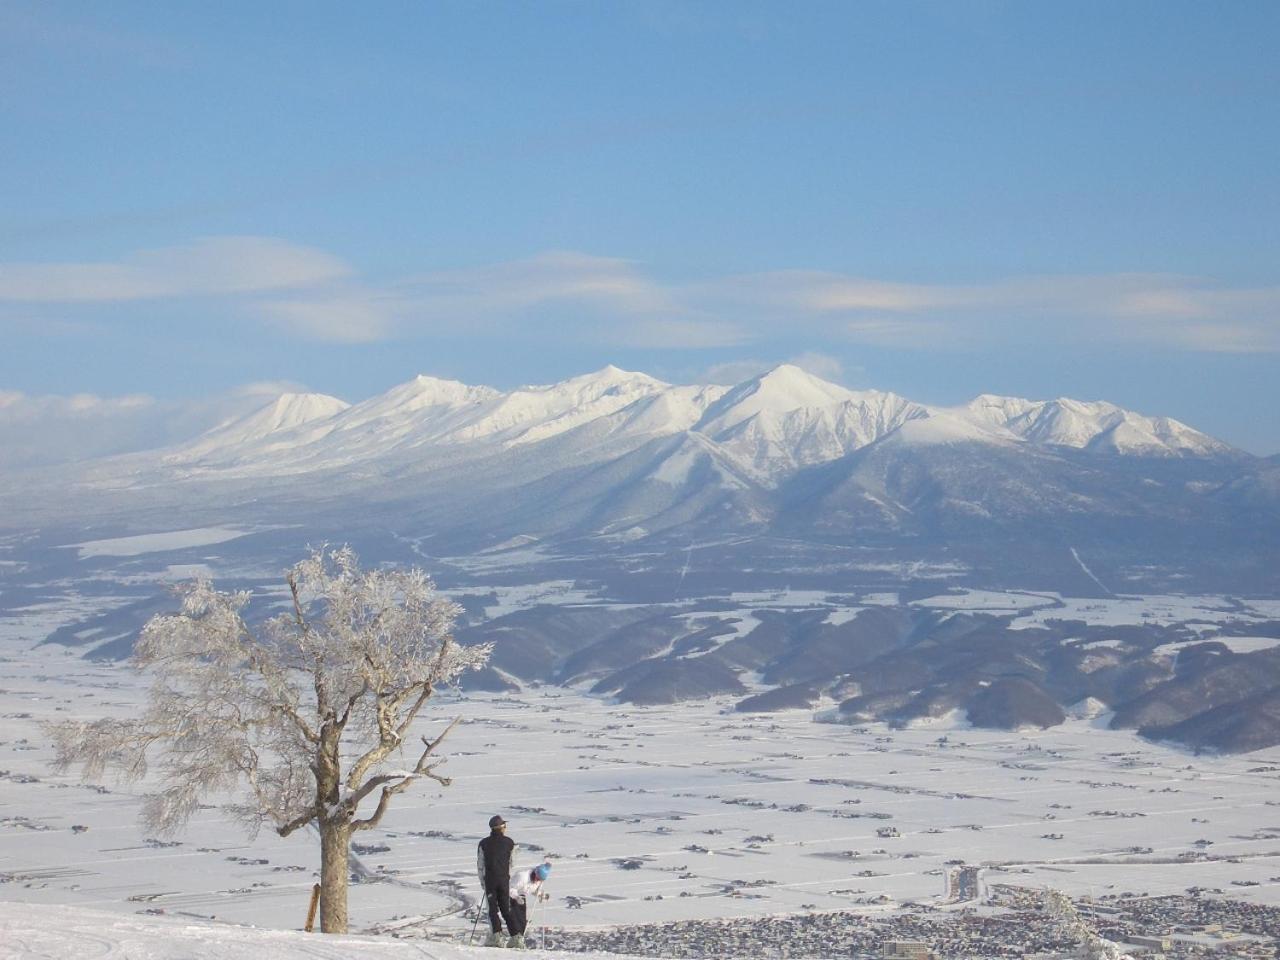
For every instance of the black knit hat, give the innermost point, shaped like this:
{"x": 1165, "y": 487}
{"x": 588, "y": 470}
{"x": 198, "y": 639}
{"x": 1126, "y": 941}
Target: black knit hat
{"x": 495, "y": 822}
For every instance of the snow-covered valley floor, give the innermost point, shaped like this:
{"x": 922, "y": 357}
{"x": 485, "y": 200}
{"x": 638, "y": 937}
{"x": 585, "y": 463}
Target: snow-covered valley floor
{"x": 647, "y": 814}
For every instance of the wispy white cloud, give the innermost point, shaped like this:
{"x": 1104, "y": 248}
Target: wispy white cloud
{"x": 17, "y": 406}
{"x": 557, "y": 294}
{"x": 556, "y": 276}
{"x": 819, "y": 364}
{"x": 45, "y": 429}
{"x": 343, "y": 316}
{"x": 614, "y": 300}
{"x": 211, "y": 267}
{"x": 1171, "y": 311}
{"x": 580, "y": 297}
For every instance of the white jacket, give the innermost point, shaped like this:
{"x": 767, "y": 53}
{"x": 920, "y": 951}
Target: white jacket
{"x": 524, "y": 885}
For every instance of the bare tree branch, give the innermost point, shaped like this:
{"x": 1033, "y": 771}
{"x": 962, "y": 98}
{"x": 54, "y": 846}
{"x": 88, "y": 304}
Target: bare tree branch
{"x": 421, "y": 769}
{"x": 317, "y": 670}
{"x": 409, "y": 717}
{"x": 299, "y": 821}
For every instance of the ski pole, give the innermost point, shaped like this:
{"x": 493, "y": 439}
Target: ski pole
{"x": 479, "y": 913}
{"x": 542, "y": 914}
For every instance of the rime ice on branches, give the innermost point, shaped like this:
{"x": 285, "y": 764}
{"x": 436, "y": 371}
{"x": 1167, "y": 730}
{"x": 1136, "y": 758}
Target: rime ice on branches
{"x": 305, "y": 715}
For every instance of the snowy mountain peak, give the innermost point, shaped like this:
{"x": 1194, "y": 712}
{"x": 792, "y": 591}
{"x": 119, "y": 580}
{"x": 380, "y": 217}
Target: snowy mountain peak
{"x": 286, "y": 412}
{"x": 777, "y": 391}
{"x": 949, "y": 426}
{"x": 293, "y": 409}
{"x": 763, "y": 430}
{"x": 428, "y": 391}
{"x": 611, "y": 372}
{"x": 537, "y": 413}
{"x": 606, "y": 377}
{"x": 996, "y": 409}
{"x": 414, "y": 399}
{"x": 1092, "y": 424}
{"x": 797, "y": 387}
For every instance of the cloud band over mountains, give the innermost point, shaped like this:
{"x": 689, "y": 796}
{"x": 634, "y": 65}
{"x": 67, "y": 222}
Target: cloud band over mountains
{"x": 314, "y": 295}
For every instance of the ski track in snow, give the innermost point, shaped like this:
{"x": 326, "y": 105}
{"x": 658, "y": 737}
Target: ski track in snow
{"x": 1089, "y": 573}
{"x": 688, "y": 557}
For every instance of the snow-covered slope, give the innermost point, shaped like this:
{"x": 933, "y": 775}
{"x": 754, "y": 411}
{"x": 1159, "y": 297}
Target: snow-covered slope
{"x": 28, "y": 931}
{"x": 766, "y": 428}
{"x": 531, "y": 414}
{"x": 949, "y": 426}
{"x": 420, "y": 410}
{"x": 786, "y": 419}
{"x": 430, "y": 412}
{"x": 783, "y": 389}
{"x": 618, "y": 450}
{"x": 284, "y": 414}
{"x": 1095, "y": 425}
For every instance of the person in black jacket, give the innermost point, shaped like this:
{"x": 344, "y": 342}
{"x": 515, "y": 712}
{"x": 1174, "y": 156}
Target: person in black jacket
{"x": 493, "y": 863}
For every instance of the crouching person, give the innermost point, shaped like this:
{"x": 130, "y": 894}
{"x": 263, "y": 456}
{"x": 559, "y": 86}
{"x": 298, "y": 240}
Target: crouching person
{"x": 526, "y": 886}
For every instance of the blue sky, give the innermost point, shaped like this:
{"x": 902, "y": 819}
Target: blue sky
{"x": 940, "y": 199}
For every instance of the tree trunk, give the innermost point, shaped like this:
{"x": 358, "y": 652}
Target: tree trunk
{"x": 335, "y": 840}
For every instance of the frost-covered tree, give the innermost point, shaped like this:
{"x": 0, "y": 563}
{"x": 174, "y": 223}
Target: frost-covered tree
{"x": 1072, "y": 926}
{"x": 302, "y": 719}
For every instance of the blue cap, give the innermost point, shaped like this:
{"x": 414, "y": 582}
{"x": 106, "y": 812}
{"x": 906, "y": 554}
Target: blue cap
{"x": 541, "y": 870}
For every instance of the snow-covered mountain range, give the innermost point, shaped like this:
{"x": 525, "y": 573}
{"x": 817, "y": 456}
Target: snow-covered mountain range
{"x": 763, "y": 429}
{"x": 612, "y": 459}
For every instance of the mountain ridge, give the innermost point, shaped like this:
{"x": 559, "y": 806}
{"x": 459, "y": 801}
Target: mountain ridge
{"x": 770, "y": 424}
{"x": 612, "y": 459}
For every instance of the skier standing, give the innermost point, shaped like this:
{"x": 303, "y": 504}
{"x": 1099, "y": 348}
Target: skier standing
{"x": 525, "y": 884}
{"x": 494, "y": 856}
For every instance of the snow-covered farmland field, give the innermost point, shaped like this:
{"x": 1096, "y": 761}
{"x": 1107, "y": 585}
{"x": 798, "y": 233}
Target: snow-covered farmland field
{"x": 656, "y": 814}
{"x": 1035, "y": 609}
{"x": 157, "y": 542}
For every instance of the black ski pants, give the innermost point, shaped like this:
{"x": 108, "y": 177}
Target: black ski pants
{"x": 520, "y": 914}
{"x": 499, "y": 895}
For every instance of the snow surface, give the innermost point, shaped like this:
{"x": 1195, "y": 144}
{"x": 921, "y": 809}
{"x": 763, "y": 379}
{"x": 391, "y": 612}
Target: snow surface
{"x": 509, "y": 599}
{"x": 30, "y": 931}
{"x": 1234, "y": 644}
{"x": 1096, "y": 425}
{"x": 1035, "y": 609}
{"x": 763, "y": 428}
{"x": 157, "y": 542}
{"x": 1154, "y": 609}
{"x": 727, "y": 815}
{"x": 782, "y": 389}
{"x": 989, "y": 601}
{"x": 709, "y": 802}
{"x": 286, "y": 412}
{"x": 946, "y": 426}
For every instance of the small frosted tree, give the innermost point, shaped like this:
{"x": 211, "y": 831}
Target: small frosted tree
{"x": 303, "y": 715}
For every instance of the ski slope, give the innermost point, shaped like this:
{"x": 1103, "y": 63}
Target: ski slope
{"x": 31, "y": 932}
